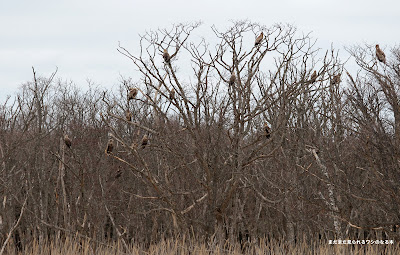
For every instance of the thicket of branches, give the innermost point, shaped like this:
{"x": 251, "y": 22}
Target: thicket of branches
{"x": 249, "y": 144}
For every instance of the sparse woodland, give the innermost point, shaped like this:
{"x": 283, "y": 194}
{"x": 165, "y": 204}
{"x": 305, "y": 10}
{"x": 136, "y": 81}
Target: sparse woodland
{"x": 271, "y": 139}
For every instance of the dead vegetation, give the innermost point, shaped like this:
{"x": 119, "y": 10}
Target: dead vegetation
{"x": 185, "y": 245}
{"x": 274, "y": 140}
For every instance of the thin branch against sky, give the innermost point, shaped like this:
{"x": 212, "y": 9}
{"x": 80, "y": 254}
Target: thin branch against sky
{"x": 80, "y": 38}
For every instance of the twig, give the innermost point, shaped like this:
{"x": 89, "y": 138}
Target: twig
{"x": 194, "y": 203}
{"x": 112, "y": 219}
{"x": 14, "y": 227}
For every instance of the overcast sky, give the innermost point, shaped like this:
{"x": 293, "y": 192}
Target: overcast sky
{"x": 81, "y": 37}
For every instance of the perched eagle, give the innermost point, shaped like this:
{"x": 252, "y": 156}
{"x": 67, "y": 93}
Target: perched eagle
{"x": 166, "y": 56}
{"x": 313, "y": 77}
{"x": 172, "y": 94}
{"x": 336, "y": 79}
{"x": 128, "y": 115}
{"x": 259, "y": 39}
{"x": 132, "y": 93}
{"x": 267, "y": 131}
{"x": 145, "y": 141}
{"x": 380, "y": 55}
{"x": 110, "y": 146}
{"x": 232, "y": 80}
{"x": 67, "y": 141}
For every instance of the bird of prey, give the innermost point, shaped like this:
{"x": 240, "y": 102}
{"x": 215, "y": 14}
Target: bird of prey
{"x": 313, "y": 77}
{"x": 166, "y": 56}
{"x": 110, "y": 146}
{"x": 232, "y": 80}
{"x": 128, "y": 115}
{"x": 67, "y": 141}
{"x": 132, "y": 93}
{"x": 267, "y": 131}
{"x": 380, "y": 55}
{"x": 172, "y": 94}
{"x": 336, "y": 79}
{"x": 259, "y": 39}
{"x": 145, "y": 141}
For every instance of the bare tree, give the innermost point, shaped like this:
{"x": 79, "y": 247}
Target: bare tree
{"x": 229, "y": 140}
{"x": 219, "y": 122}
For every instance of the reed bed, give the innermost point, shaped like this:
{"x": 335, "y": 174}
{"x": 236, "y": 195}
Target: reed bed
{"x": 69, "y": 246}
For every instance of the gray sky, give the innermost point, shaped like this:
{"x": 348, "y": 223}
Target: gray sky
{"x": 81, "y": 37}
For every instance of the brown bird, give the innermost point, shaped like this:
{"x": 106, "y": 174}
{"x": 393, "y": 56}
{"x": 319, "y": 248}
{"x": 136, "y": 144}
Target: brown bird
{"x": 67, "y": 141}
{"x": 128, "y": 115}
{"x": 259, "y": 39}
{"x": 232, "y": 80}
{"x": 380, "y": 55}
{"x": 336, "y": 79}
{"x": 267, "y": 131}
{"x": 313, "y": 77}
{"x": 172, "y": 94}
{"x": 145, "y": 141}
{"x": 132, "y": 93}
{"x": 166, "y": 56}
{"x": 110, "y": 146}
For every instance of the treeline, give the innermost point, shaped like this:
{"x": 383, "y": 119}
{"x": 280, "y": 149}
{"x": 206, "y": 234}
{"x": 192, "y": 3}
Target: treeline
{"x": 267, "y": 139}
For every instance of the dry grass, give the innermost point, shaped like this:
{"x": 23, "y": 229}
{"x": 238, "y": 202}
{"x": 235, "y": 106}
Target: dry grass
{"x": 185, "y": 246}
